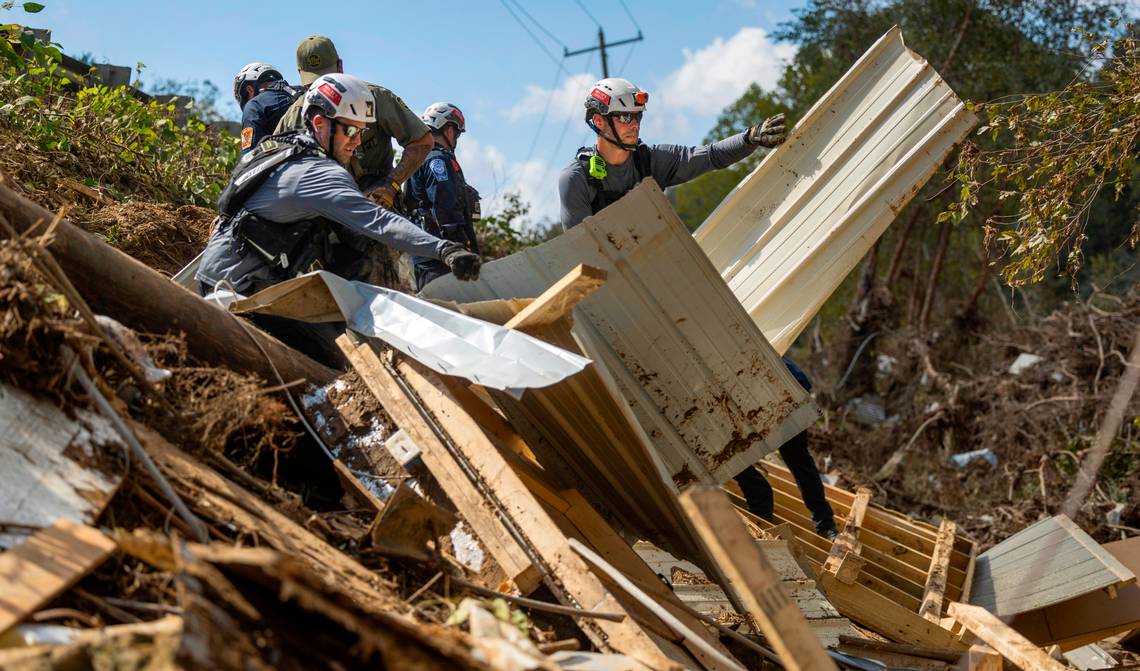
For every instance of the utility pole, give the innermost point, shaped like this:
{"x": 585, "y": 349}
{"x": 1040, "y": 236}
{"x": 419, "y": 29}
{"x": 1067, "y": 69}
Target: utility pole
{"x": 602, "y": 46}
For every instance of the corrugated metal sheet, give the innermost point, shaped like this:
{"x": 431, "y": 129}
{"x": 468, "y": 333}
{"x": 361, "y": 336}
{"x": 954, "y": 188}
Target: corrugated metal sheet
{"x": 789, "y": 233}
{"x": 705, "y": 386}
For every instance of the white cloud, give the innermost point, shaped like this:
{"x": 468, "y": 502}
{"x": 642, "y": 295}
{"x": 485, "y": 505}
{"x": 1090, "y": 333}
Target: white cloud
{"x": 715, "y": 76}
{"x": 488, "y": 170}
{"x": 565, "y": 101}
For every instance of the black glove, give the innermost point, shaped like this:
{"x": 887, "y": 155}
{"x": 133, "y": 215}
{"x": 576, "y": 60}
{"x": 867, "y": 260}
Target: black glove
{"x": 463, "y": 263}
{"x": 768, "y": 134}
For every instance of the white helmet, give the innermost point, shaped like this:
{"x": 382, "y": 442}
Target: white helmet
{"x": 340, "y": 96}
{"x": 438, "y": 115}
{"x": 615, "y": 95}
{"x": 255, "y": 73}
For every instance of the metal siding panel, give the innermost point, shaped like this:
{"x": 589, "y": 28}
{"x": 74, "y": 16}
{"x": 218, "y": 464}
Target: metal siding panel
{"x": 791, "y": 231}
{"x": 706, "y": 387}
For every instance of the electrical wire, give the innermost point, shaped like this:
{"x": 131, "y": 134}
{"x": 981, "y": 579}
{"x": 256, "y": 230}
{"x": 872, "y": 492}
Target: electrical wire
{"x": 545, "y": 111}
{"x": 536, "y": 23}
{"x": 579, "y": 3}
{"x": 534, "y": 37}
{"x": 630, "y": 15}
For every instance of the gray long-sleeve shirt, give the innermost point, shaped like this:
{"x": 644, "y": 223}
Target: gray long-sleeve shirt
{"x": 305, "y": 188}
{"x": 671, "y": 164}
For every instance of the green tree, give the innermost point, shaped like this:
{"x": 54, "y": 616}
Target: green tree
{"x": 1050, "y": 156}
{"x": 505, "y": 233}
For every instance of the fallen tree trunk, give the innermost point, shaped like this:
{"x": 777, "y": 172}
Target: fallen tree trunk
{"x": 117, "y": 285}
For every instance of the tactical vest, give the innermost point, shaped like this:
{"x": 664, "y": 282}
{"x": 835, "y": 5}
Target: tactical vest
{"x": 642, "y": 167}
{"x": 291, "y": 248}
{"x": 423, "y": 215}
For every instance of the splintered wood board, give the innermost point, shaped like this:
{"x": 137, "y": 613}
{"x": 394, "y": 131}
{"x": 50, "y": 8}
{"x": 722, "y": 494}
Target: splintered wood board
{"x": 705, "y": 386}
{"x": 52, "y": 465}
{"x": 44, "y": 566}
{"x": 1046, "y": 563}
{"x": 585, "y": 436}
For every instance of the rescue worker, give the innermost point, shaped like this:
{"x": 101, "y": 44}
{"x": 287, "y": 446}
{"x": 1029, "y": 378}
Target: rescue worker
{"x": 263, "y": 96}
{"x": 618, "y": 161}
{"x": 289, "y": 199}
{"x": 372, "y": 167}
{"x": 438, "y": 195}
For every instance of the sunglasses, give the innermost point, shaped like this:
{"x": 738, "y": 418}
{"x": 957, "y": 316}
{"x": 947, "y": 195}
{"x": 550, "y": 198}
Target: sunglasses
{"x": 627, "y": 117}
{"x": 352, "y": 131}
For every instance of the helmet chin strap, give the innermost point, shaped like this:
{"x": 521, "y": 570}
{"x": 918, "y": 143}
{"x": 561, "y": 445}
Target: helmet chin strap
{"x": 613, "y": 140}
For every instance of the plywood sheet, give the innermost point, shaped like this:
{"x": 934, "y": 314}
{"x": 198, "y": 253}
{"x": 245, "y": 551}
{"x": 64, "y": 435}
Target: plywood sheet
{"x": 52, "y": 465}
{"x": 1046, "y": 563}
{"x": 705, "y": 386}
{"x": 791, "y": 231}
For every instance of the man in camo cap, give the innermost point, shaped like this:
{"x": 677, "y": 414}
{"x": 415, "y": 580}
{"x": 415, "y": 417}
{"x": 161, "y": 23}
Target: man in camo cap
{"x": 372, "y": 167}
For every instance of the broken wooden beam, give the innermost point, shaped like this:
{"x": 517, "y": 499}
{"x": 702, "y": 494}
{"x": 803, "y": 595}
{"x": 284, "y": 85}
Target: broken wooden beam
{"x": 559, "y": 300}
{"x": 754, "y": 582}
{"x": 982, "y": 657}
{"x": 466, "y": 497}
{"x": 931, "y": 607}
{"x": 844, "y": 560}
{"x": 455, "y": 444}
{"x": 145, "y": 300}
{"x": 999, "y": 636}
{"x": 47, "y": 564}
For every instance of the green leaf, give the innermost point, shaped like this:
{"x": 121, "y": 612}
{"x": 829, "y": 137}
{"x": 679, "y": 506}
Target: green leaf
{"x": 33, "y": 7}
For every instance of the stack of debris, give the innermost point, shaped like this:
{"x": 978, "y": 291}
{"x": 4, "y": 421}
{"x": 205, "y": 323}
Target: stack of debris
{"x": 535, "y": 486}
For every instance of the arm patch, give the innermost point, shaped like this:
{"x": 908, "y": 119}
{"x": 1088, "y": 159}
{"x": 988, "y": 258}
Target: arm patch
{"x": 438, "y": 169}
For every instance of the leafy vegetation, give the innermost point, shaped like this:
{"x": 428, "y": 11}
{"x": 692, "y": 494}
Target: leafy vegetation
{"x": 1050, "y": 156}
{"x": 112, "y": 138}
{"x": 502, "y": 234}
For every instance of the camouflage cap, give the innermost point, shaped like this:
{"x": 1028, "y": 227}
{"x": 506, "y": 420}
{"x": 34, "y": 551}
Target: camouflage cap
{"x": 316, "y": 56}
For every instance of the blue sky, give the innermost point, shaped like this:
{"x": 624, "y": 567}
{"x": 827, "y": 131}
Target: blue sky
{"x": 523, "y": 107}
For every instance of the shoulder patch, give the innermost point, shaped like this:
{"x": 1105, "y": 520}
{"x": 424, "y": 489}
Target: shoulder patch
{"x": 246, "y": 138}
{"x": 439, "y": 169}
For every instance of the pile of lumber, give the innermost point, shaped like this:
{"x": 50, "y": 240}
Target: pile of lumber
{"x": 583, "y": 524}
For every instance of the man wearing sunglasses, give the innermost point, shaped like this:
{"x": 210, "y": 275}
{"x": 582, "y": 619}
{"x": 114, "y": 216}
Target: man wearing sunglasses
{"x": 619, "y": 160}
{"x": 291, "y": 200}
{"x": 372, "y": 165}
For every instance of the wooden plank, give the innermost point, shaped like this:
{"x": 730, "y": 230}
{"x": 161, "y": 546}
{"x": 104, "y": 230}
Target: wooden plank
{"x": 915, "y": 536}
{"x": 53, "y": 465}
{"x": 931, "y": 607}
{"x": 883, "y": 616}
{"x": 1007, "y": 642}
{"x": 720, "y": 659}
{"x": 147, "y": 301}
{"x": 584, "y": 433}
{"x": 47, "y": 564}
{"x": 752, "y": 579}
{"x": 563, "y": 572}
{"x": 982, "y": 657}
{"x": 512, "y": 558}
{"x": 844, "y": 561}
{"x": 1046, "y": 563}
{"x": 556, "y": 302}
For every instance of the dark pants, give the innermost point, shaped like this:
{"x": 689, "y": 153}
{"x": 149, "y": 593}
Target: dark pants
{"x": 757, "y": 491}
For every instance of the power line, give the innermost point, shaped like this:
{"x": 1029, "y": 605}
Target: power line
{"x": 535, "y": 22}
{"x": 532, "y": 35}
{"x": 630, "y": 15}
{"x": 579, "y": 3}
{"x": 562, "y": 135}
{"x": 628, "y": 55}
{"x": 545, "y": 110}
